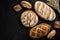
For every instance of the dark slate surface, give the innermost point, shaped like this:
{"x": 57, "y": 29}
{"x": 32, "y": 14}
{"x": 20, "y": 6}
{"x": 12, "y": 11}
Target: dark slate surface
{"x": 11, "y": 26}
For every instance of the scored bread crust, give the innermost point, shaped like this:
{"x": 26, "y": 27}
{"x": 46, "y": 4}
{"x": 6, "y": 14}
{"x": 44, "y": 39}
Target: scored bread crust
{"x": 26, "y": 4}
{"x": 29, "y": 18}
{"x": 17, "y": 8}
{"x": 44, "y": 11}
{"x": 57, "y": 24}
{"x": 51, "y": 34}
{"x": 40, "y": 30}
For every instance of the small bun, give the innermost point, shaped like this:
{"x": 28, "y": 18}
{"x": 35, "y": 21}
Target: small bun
{"x": 51, "y": 34}
{"x": 26, "y": 4}
{"x": 17, "y": 8}
{"x": 57, "y": 24}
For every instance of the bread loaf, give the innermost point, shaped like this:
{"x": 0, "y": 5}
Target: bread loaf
{"x": 44, "y": 11}
{"x": 40, "y": 30}
{"x": 29, "y": 18}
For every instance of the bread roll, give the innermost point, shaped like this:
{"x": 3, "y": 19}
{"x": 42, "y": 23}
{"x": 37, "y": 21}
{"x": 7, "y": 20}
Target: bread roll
{"x": 17, "y": 8}
{"x": 51, "y": 34}
{"x": 26, "y": 4}
{"x": 57, "y": 24}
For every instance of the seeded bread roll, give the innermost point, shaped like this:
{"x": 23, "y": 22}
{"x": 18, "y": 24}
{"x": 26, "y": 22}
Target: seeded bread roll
{"x": 29, "y": 18}
{"x": 26, "y": 4}
{"x": 51, "y": 34}
{"x": 17, "y": 8}
{"x": 57, "y": 24}
{"x": 40, "y": 30}
{"x": 44, "y": 11}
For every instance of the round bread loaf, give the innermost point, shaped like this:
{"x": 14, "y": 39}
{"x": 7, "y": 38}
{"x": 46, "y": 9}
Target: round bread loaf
{"x": 29, "y": 18}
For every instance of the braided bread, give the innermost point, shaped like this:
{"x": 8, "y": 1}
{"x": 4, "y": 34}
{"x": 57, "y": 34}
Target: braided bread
{"x": 39, "y": 31}
{"x": 44, "y": 11}
{"x": 29, "y": 18}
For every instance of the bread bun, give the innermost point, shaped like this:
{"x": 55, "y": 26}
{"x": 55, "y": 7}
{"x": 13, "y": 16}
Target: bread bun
{"x": 51, "y": 34}
{"x": 26, "y": 4}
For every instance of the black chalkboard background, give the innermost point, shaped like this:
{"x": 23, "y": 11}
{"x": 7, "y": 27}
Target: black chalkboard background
{"x": 11, "y": 27}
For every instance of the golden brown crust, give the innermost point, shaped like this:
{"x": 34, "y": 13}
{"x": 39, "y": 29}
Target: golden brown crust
{"x": 44, "y": 11}
{"x": 29, "y": 18}
{"x": 17, "y": 8}
{"x": 51, "y": 34}
{"x": 57, "y": 24}
{"x": 37, "y": 7}
{"x": 39, "y": 31}
{"x": 26, "y": 4}
{"x": 48, "y": 13}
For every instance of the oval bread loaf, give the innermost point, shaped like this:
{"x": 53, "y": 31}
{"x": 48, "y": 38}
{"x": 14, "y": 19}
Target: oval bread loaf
{"x": 40, "y": 30}
{"x": 44, "y": 11}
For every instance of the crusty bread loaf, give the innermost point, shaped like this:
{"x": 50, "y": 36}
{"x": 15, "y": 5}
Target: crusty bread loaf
{"x": 40, "y": 30}
{"x": 44, "y": 11}
{"x": 29, "y": 18}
